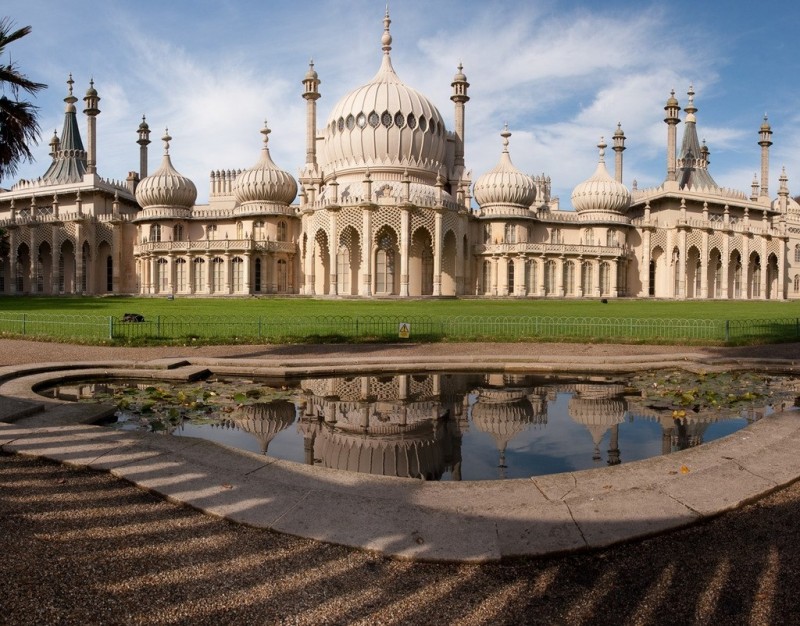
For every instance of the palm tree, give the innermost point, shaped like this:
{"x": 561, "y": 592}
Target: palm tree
{"x": 18, "y": 124}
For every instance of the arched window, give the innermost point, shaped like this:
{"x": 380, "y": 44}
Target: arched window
{"x": 162, "y": 279}
{"x": 343, "y": 270}
{"x": 797, "y": 284}
{"x": 180, "y": 275}
{"x": 555, "y": 235}
{"x": 237, "y": 269}
{"x": 239, "y": 230}
{"x": 487, "y": 233}
{"x": 217, "y": 274}
{"x": 510, "y": 233}
{"x": 797, "y": 253}
{"x": 510, "y": 277}
{"x": 257, "y": 276}
{"x": 283, "y": 276}
{"x": 568, "y": 278}
{"x": 587, "y": 278}
{"x": 177, "y": 232}
{"x": 605, "y": 279}
{"x": 486, "y": 277}
{"x": 109, "y": 274}
{"x": 611, "y": 237}
{"x": 549, "y": 278}
{"x": 530, "y": 280}
{"x": 384, "y": 266}
{"x": 211, "y": 231}
{"x": 199, "y": 274}
{"x": 258, "y": 230}
{"x": 588, "y": 236}
{"x": 155, "y": 232}
{"x": 282, "y": 231}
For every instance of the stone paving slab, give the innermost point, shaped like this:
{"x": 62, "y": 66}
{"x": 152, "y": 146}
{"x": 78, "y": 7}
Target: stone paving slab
{"x": 406, "y": 518}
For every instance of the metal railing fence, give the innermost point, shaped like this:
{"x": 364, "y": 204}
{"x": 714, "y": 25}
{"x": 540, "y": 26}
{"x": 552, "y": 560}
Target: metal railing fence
{"x": 168, "y": 328}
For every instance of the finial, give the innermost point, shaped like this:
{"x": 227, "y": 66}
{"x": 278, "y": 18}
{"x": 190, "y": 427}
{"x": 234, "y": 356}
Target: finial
{"x": 505, "y": 135}
{"x": 602, "y": 147}
{"x": 166, "y": 139}
{"x": 386, "y": 40}
{"x": 265, "y": 131}
{"x": 70, "y": 82}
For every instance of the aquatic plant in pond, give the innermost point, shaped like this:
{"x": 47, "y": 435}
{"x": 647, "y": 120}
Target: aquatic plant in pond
{"x": 454, "y": 426}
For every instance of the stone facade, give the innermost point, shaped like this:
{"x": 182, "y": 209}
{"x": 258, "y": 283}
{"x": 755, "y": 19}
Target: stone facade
{"x": 384, "y": 206}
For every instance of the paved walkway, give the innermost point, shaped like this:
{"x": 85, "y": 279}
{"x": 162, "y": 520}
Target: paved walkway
{"x": 409, "y": 518}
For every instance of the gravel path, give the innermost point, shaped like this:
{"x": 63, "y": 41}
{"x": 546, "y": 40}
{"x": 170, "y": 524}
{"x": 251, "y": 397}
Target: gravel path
{"x": 83, "y": 547}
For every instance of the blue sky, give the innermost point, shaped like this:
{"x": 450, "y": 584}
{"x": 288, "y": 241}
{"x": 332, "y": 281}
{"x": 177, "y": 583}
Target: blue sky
{"x": 560, "y": 72}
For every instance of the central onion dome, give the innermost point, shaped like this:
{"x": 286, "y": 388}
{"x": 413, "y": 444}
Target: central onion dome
{"x": 505, "y": 185}
{"x": 165, "y": 188}
{"x": 600, "y": 193}
{"x": 385, "y": 123}
{"x": 265, "y": 185}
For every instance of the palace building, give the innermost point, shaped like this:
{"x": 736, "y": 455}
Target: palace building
{"x": 384, "y": 206}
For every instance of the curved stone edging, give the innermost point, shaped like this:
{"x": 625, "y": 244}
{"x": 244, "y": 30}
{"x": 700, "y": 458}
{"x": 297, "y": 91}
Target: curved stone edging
{"x": 407, "y": 518}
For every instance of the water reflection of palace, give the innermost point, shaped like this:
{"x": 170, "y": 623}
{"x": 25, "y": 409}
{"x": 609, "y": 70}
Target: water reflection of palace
{"x": 413, "y": 425}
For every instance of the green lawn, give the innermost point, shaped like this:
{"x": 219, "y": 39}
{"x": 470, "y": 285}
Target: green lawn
{"x": 301, "y": 306}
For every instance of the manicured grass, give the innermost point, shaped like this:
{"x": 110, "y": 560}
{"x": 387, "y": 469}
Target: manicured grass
{"x": 302, "y": 306}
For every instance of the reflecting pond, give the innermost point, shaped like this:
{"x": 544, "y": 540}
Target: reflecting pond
{"x": 450, "y": 426}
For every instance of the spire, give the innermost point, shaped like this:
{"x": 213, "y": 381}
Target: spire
{"x": 386, "y": 39}
{"x": 619, "y": 148}
{"x": 692, "y": 160}
{"x": 143, "y": 141}
{"x": 166, "y": 139}
{"x": 69, "y": 160}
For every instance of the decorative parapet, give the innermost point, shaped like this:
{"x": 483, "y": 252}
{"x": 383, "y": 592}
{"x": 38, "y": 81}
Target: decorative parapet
{"x": 725, "y": 193}
{"x": 214, "y": 246}
{"x": 550, "y": 249}
{"x": 715, "y": 223}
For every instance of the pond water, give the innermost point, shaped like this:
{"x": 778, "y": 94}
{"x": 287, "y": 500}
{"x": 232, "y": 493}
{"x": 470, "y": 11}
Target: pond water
{"x": 450, "y": 426}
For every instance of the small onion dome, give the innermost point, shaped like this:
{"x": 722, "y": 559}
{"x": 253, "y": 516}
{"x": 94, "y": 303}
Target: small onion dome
{"x": 460, "y": 77}
{"x": 264, "y": 183}
{"x": 166, "y": 187}
{"x": 311, "y": 74}
{"x": 765, "y": 127}
{"x": 601, "y": 192}
{"x": 505, "y": 184}
{"x": 143, "y": 124}
{"x": 672, "y": 101}
{"x": 91, "y": 92}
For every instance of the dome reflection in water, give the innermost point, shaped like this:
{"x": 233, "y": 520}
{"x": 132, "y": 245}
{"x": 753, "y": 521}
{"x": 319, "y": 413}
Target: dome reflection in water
{"x": 455, "y": 426}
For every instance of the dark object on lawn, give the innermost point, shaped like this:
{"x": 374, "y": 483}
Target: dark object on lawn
{"x": 604, "y": 300}
{"x": 132, "y": 317}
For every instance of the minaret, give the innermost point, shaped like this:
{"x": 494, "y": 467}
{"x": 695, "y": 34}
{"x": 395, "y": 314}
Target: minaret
{"x": 765, "y": 141}
{"x": 619, "y": 148}
{"x": 91, "y": 100}
{"x": 143, "y": 141}
{"x": 783, "y": 191}
{"x": 311, "y": 95}
{"x": 672, "y": 119}
{"x": 460, "y": 98}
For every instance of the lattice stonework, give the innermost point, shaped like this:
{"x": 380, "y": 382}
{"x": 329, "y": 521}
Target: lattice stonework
{"x": 717, "y": 241}
{"x": 384, "y": 389}
{"x": 451, "y": 221}
{"x": 695, "y": 239}
{"x": 386, "y": 216}
{"x": 351, "y": 216}
{"x": 104, "y": 234}
{"x": 320, "y": 220}
{"x": 421, "y": 386}
{"x": 348, "y": 388}
{"x": 774, "y": 247}
{"x": 735, "y": 245}
{"x": 658, "y": 240}
{"x": 423, "y": 219}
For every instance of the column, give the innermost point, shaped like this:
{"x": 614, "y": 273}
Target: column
{"x": 560, "y": 277}
{"x": 726, "y": 259}
{"x": 596, "y": 278}
{"x": 644, "y": 269}
{"x": 781, "y": 288}
{"x": 116, "y": 257}
{"x": 366, "y": 250}
{"x": 704, "y": 268}
{"x": 248, "y": 269}
{"x": 77, "y": 287}
{"x": 227, "y": 270}
{"x": 405, "y": 217}
{"x": 34, "y": 256}
{"x": 681, "y": 269}
{"x": 437, "y": 254}
{"x": 171, "y": 270}
{"x": 520, "y": 286}
{"x": 209, "y": 273}
{"x": 333, "y": 250}
{"x": 614, "y": 278}
{"x": 764, "y": 268}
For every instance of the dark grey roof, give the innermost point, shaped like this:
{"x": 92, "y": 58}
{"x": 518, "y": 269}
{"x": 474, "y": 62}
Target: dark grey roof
{"x": 691, "y": 170}
{"x": 69, "y": 161}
